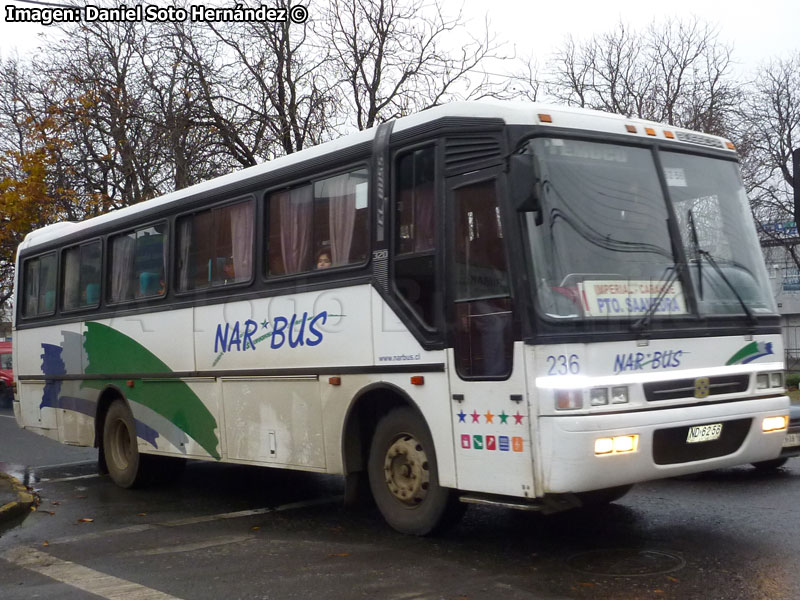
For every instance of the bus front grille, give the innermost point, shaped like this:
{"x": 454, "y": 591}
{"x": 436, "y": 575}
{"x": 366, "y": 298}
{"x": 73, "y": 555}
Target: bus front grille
{"x": 685, "y": 388}
{"x": 670, "y": 446}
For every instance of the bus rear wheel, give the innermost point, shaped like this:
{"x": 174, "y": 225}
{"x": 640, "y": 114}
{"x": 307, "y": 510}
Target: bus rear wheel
{"x": 404, "y": 479}
{"x": 125, "y": 464}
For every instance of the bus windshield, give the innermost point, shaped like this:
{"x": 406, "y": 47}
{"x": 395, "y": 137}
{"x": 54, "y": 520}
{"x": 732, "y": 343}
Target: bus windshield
{"x": 604, "y": 245}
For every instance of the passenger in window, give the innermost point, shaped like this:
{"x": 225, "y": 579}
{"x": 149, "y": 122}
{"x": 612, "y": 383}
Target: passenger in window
{"x": 228, "y": 271}
{"x": 324, "y": 258}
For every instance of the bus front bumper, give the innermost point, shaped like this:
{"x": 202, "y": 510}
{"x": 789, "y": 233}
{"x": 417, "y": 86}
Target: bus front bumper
{"x": 569, "y": 462}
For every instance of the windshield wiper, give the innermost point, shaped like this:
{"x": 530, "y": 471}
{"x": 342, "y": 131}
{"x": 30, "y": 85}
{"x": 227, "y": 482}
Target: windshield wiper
{"x": 644, "y": 321}
{"x": 700, "y": 252}
{"x": 696, "y": 248}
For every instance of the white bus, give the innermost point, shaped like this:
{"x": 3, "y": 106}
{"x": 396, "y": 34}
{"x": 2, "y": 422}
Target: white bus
{"x": 499, "y": 303}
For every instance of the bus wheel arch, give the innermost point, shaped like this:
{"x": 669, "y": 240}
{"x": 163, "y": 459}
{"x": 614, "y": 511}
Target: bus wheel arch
{"x": 368, "y": 407}
{"x": 389, "y": 455}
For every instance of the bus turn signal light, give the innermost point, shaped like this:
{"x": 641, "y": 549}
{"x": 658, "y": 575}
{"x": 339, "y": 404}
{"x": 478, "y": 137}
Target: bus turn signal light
{"x": 417, "y": 380}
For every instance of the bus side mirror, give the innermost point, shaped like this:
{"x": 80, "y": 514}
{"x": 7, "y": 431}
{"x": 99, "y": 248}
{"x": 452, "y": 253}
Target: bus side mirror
{"x": 524, "y": 184}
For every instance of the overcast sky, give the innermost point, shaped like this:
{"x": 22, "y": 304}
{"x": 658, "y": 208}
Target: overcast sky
{"x": 757, "y": 30}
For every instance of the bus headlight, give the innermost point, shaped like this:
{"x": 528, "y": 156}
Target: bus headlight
{"x": 619, "y": 394}
{"x": 776, "y": 380}
{"x": 769, "y": 380}
{"x": 598, "y": 396}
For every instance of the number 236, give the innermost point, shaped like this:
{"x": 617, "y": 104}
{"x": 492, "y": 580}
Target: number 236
{"x": 563, "y": 364}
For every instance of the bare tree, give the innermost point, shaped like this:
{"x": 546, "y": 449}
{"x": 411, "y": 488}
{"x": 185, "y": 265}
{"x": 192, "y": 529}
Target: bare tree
{"x": 770, "y": 125}
{"x": 393, "y": 57}
{"x": 676, "y": 72}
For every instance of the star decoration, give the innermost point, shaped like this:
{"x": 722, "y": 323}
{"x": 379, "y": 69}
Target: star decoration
{"x": 264, "y": 323}
{"x": 476, "y": 417}
{"x": 489, "y": 416}
{"x": 503, "y": 417}
{"x": 518, "y": 418}
{"x": 462, "y": 416}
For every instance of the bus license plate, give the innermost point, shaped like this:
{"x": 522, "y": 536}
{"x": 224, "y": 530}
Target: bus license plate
{"x": 791, "y": 439}
{"x": 704, "y": 433}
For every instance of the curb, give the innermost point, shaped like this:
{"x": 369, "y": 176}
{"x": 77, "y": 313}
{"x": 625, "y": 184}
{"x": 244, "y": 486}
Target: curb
{"x": 21, "y": 505}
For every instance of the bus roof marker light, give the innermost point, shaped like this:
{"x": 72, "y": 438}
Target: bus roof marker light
{"x": 630, "y": 128}
{"x": 649, "y": 131}
{"x": 730, "y": 145}
{"x": 669, "y": 135}
{"x": 545, "y": 118}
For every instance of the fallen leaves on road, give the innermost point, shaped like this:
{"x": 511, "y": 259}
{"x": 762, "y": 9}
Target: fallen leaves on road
{"x": 339, "y": 555}
{"x": 86, "y": 520}
{"x": 46, "y": 543}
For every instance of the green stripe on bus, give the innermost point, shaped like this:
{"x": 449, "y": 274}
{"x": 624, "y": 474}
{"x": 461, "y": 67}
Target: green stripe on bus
{"x": 110, "y": 351}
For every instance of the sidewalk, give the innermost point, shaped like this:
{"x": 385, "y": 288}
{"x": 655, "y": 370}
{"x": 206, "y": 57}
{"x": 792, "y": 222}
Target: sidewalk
{"x": 15, "y": 499}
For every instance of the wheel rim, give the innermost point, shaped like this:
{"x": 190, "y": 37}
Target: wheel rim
{"x": 120, "y": 445}
{"x": 406, "y": 470}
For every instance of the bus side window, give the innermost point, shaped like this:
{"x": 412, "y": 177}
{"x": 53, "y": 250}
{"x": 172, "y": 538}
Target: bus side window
{"x": 39, "y": 296}
{"x": 81, "y": 276}
{"x": 414, "y": 234}
{"x": 483, "y": 308}
{"x": 215, "y": 247}
{"x": 137, "y": 265}
{"x": 319, "y": 225}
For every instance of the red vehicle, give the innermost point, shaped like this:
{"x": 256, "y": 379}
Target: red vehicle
{"x": 6, "y": 375}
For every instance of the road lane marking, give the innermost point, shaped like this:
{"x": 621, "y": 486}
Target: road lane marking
{"x": 103, "y": 534}
{"x": 75, "y": 478}
{"x": 212, "y": 543}
{"x": 80, "y": 577}
{"x": 218, "y": 517}
{"x": 195, "y": 520}
{"x": 69, "y": 464}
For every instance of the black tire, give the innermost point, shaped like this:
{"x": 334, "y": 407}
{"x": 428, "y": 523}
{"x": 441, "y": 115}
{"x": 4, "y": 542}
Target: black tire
{"x": 770, "y": 465}
{"x": 6, "y": 396}
{"x": 404, "y": 477}
{"x": 126, "y": 466}
{"x": 602, "y": 497}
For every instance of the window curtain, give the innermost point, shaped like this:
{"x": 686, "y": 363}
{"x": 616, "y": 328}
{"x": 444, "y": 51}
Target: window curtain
{"x": 184, "y": 248}
{"x": 423, "y": 218}
{"x": 72, "y": 283}
{"x": 242, "y": 223}
{"x": 296, "y": 214}
{"x": 341, "y": 197}
{"x": 122, "y": 253}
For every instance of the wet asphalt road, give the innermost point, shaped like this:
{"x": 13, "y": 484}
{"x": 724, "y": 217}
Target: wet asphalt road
{"x": 226, "y": 531}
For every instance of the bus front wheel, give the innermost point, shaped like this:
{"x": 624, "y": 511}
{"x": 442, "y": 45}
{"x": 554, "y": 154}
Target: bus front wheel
{"x": 404, "y": 479}
{"x": 125, "y": 465}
